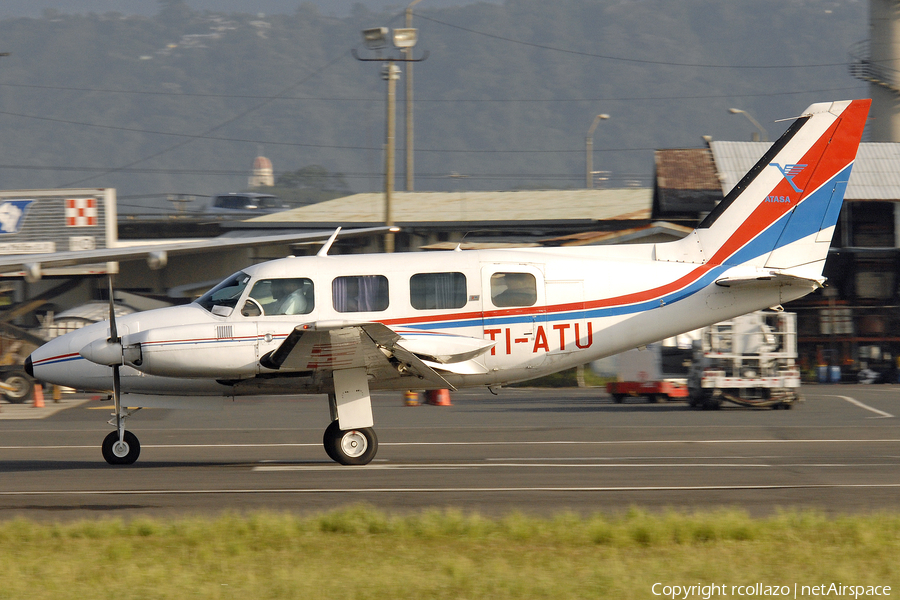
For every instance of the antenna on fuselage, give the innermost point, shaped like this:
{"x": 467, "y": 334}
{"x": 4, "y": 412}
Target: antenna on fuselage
{"x": 461, "y": 240}
{"x": 323, "y": 251}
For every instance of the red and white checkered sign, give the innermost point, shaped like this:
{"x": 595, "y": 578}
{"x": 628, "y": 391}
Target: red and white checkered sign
{"x": 81, "y": 212}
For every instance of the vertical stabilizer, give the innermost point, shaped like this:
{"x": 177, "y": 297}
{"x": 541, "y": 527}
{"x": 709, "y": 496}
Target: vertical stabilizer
{"x": 782, "y": 214}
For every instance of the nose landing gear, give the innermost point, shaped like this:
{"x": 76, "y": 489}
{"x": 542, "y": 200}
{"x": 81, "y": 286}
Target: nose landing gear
{"x": 123, "y": 452}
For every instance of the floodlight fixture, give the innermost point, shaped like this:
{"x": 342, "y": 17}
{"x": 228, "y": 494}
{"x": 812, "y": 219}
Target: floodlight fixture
{"x": 375, "y": 38}
{"x": 405, "y": 37}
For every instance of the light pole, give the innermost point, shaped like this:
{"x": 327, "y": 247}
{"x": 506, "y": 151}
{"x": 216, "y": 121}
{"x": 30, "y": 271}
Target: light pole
{"x": 589, "y": 152}
{"x": 407, "y": 54}
{"x": 376, "y": 39}
{"x": 391, "y": 73}
{"x": 765, "y": 134}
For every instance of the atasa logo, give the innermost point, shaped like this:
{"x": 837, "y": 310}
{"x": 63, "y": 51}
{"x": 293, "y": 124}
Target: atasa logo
{"x": 789, "y": 172}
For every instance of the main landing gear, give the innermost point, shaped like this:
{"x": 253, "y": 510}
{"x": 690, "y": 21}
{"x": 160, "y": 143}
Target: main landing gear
{"x": 350, "y": 439}
{"x": 351, "y": 446}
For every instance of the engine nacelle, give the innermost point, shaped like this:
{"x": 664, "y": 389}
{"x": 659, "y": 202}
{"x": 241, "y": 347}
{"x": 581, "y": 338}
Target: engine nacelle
{"x": 222, "y": 351}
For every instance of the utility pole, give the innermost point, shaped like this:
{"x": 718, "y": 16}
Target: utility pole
{"x": 407, "y": 55}
{"x": 391, "y": 73}
{"x": 377, "y": 39}
{"x": 589, "y": 152}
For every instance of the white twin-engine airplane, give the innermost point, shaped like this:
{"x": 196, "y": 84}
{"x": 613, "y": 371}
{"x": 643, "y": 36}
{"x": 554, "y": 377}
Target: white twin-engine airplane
{"x": 345, "y": 325}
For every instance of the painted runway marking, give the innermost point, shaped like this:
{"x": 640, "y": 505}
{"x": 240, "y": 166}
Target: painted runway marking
{"x": 271, "y": 468}
{"x": 493, "y": 465}
{"x": 468, "y": 490}
{"x": 881, "y": 414}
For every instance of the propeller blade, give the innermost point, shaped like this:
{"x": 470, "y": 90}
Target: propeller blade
{"x": 113, "y": 333}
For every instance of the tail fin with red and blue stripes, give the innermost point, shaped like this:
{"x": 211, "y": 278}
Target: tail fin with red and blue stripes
{"x": 782, "y": 214}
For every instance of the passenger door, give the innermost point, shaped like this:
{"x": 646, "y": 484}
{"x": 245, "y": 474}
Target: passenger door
{"x": 514, "y": 304}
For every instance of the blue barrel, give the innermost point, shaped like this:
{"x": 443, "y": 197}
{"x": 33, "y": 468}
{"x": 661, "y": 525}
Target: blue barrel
{"x": 835, "y": 374}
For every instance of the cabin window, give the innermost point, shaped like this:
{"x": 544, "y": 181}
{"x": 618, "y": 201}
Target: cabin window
{"x": 360, "y": 293}
{"x": 437, "y": 290}
{"x": 513, "y": 289}
{"x": 269, "y": 297}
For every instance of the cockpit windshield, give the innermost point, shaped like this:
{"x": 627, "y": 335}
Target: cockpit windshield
{"x": 226, "y": 293}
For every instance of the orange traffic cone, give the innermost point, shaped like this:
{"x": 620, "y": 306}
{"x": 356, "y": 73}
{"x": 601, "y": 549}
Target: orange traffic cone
{"x": 411, "y": 398}
{"x": 439, "y": 397}
{"x": 38, "y": 395}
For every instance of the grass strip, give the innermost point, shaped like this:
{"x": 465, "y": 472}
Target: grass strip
{"x": 360, "y": 552}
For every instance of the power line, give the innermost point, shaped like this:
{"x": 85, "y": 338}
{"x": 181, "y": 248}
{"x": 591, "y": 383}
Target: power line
{"x": 422, "y": 100}
{"x": 240, "y": 172}
{"x": 211, "y": 130}
{"x": 625, "y": 59}
{"x": 292, "y": 144}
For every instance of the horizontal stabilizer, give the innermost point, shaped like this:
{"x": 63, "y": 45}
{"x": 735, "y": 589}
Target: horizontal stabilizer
{"x": 770, "y": 278}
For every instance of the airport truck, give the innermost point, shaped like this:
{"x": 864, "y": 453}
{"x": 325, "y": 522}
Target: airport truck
{"x": 656, "y": 372}
{"x": 750, "y": 360}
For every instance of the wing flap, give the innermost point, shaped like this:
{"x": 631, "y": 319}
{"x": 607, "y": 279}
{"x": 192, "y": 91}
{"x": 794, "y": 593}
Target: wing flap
{"x": 333, "y": 345}
{"x": 444, "y": 348}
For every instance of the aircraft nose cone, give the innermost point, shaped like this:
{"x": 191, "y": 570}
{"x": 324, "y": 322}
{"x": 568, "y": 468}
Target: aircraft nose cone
{"x": 29, "y": 366}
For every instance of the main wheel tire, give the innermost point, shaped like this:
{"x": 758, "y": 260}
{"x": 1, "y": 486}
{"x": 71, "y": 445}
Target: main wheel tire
{"x": 328, "y": 440}
{"x": 121, "y": 453}
{"x": 351, "y": 446}
{"x": 23, "y": 387}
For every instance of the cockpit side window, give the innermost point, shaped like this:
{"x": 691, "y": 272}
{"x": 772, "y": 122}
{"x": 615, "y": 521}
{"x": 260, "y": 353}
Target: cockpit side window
{"x": 226, "y": 293}
{"x": 271, "y": 297}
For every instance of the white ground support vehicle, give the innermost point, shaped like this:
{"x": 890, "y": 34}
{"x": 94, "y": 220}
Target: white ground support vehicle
{"x": 749, "y": 360}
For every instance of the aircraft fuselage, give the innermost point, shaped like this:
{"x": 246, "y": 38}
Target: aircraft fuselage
{"x": 580, "y": 304}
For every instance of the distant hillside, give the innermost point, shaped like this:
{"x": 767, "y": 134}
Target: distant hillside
{"x": 182, "y": 101}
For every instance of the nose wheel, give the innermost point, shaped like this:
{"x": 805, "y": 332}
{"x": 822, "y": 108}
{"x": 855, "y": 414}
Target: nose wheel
{"x": 351, "y": 446}
{"x": 121, "y": 452}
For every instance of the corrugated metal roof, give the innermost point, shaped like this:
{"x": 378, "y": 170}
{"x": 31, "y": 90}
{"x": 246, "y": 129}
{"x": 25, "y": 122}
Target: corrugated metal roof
{"x": 875, "y": 176}
{"x": 423, "y": 207}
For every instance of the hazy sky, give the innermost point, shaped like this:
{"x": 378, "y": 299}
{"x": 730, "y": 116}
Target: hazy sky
{"x": 34, "y": 8}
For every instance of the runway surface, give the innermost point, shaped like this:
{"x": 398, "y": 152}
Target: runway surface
{"x": 533, "y": 450}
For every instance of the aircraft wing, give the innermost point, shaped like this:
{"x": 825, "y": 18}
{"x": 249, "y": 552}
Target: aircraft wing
{"x": 335, "y": 345}
{"x": 31, "y": 264}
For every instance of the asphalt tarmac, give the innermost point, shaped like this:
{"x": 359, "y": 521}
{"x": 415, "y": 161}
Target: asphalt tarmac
{"x": 537, "y": 451}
